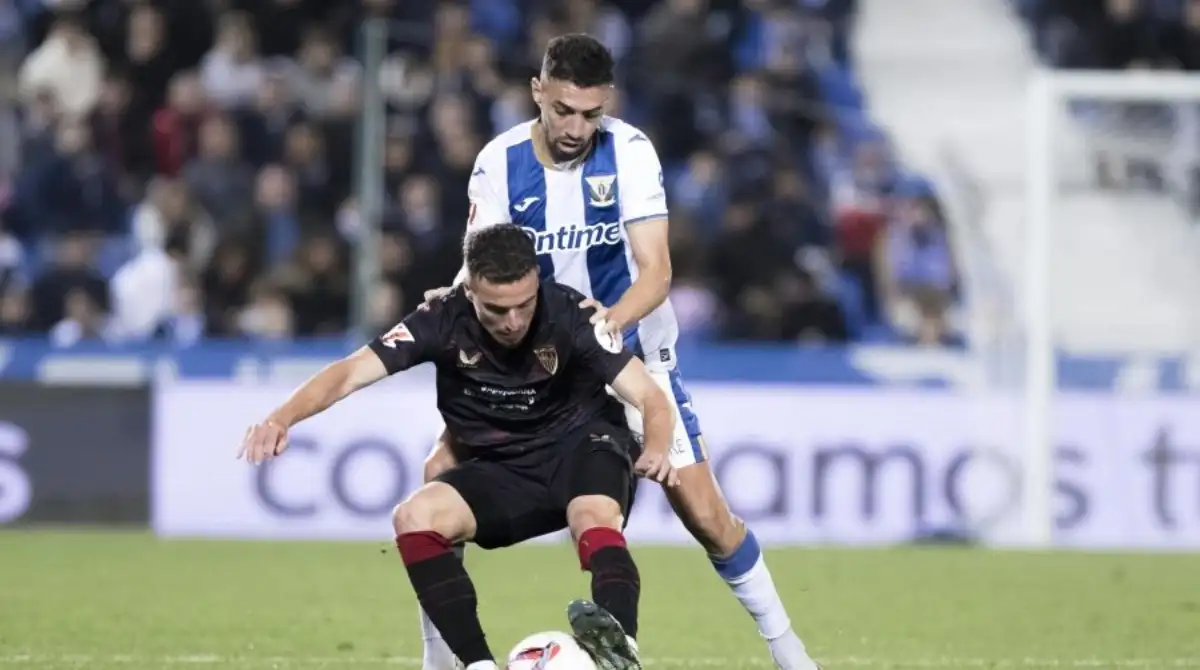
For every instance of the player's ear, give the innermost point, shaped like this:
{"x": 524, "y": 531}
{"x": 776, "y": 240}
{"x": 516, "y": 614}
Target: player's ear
{"x": 535, "y": 86}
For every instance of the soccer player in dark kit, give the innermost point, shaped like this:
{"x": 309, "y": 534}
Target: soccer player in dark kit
{"x": 521, "y": 384}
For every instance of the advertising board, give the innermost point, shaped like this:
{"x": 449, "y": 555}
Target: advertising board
{"x": 802, "y": 465}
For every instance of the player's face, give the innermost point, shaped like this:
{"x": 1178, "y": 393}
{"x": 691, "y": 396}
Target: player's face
{"x": 569, "y": 114}
{"x": 505, "y": 310}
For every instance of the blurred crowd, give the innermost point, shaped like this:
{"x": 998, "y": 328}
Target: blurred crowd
{"x": 186, "y": 169}
{"x": 1116, "y": 34}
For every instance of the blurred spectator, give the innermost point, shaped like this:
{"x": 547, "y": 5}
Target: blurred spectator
{"x": 167, "y": 210}
{"x": 1182, "y": 40}
{"x": 144, "y": 290}
{"x": 386, "y": 308}
{"x": 861, "y": 206}
{"x": 231, "y": 71}
{"x": 12, "y": 257}
{"x": 177, "y": 125}
{"x": 71, "y": 187}
{"x": 121, "y": 137}
{"x": 225, "y": 285}
{"x": 320, "y": 288}
{"x": 277, "y": 221}
{"x": 71, "y": 269}
{"x": 14, "y": 312}
{"x": 148, "y": 58}
{"x": 67, "y": 66}
{"x": 83, "y": 319}
{"x": 186, "y": 324}
{"x": 811, "y": 317}
{"x": 700, "y": 192}
{"x": 916, "y": 267}
{"x": 264, "y": 124}
{"x": 10, "y": 132}
{"x": 746, "y": 261}
{"x": 320, "y": 65}
{"x": 304, "y": 156}
{"x": 219, "y": 180}
{"x": 268, "y": 316}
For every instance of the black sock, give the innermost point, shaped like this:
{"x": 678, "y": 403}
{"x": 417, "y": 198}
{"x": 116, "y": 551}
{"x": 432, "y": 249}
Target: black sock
{"x": 446, "y": 593}
{"x": 616, "y": 585}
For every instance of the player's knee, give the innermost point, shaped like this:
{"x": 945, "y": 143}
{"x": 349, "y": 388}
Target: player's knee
{"x": 439, "y": 460}
{"x": 433, "y": 509}
{"x": 587, "y": 512}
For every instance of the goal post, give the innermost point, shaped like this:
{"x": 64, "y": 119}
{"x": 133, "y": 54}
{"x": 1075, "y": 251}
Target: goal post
{"x": 1051, "y": 94}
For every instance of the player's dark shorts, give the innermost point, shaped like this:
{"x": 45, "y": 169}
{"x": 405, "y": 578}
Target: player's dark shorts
{"x": 519, "y": 499}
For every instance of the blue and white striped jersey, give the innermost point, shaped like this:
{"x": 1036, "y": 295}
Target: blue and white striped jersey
{"x": 578, "y": 217}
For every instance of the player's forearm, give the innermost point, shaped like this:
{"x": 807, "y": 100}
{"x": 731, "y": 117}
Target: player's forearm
{"x": 316, "y": 395}
{"x": 657, "y": 421}
{"x": 650, "y": 290}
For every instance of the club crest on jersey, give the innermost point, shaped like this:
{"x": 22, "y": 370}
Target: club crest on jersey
{"x": 601, "y": 190}
{"x": 466, "y": 360}
{"x": 398, "y": 334}
{"x": 548, "y": 356}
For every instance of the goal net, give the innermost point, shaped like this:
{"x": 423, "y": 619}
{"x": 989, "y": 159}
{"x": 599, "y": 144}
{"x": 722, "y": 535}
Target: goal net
{"x": 1109, "y": 281}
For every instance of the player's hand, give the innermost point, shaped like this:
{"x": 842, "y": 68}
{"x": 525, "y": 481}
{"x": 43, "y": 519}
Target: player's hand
{"x": 263, "y": 440}
{"x": 433, "y": 294}
{"x": 656, "y": 464}
{"x": 601, "y": 311}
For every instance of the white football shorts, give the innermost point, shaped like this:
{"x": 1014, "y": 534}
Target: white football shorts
{"x": 687, "y": 447}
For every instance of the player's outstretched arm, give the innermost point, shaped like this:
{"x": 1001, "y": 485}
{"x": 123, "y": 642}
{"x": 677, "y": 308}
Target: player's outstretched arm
{"x": 635, "y": 385}
{"x": 336, "y": 381}
{"x": 652, "y": 254}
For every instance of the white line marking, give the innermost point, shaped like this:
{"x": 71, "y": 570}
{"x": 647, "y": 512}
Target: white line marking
{"x": 403, "y": 661}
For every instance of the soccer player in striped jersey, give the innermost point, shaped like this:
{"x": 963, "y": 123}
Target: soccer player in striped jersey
{"x": 588, "y": 188}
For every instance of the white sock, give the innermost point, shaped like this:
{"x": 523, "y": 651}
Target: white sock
{"x": 437, "y": 653}
{"x": 482, "y": 665}
{"x": 746, "y": 573}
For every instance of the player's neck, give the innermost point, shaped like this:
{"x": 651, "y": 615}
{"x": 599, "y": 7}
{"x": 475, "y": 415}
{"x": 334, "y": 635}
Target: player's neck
{"x": 541, "y": 149}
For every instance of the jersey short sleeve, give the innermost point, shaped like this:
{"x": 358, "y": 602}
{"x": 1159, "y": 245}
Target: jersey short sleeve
{"x": 603, "y": 353}
{"x": 413, "y": 341}
{"x": 640, "y": 177}
{"x": 487, "y": 190}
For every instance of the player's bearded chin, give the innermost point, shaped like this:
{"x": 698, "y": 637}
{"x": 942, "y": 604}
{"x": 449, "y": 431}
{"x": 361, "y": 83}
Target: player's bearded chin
{"x": 559, "y": 151}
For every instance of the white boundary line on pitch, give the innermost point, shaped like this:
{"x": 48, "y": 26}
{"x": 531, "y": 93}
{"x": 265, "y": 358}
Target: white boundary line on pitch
{"x": 407, "y": 662}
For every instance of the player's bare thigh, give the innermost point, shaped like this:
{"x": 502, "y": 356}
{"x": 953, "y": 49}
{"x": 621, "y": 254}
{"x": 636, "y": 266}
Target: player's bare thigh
{"x": 441, "y": 458}
{"x": 435, "y": 507}
{"x": 703, "y": 510}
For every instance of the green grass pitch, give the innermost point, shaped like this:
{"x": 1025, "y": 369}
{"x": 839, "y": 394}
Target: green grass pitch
{"x": 129, "y": 601}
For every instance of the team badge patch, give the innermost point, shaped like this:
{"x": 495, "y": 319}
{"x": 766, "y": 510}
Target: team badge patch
{"x": 548, "y": 357}
{"x": 601, "y": 190}
{"x": 398, "y": 334}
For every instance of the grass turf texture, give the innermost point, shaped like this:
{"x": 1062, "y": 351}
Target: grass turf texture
{"x": 130, "y": 601}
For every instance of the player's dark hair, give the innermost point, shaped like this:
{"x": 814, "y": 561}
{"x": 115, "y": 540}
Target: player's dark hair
{"x": 500, "y": 254}
{"x": 579, "y": 59}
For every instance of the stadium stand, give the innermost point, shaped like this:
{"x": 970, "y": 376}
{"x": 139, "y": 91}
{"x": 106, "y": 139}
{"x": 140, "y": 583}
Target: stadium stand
{"x": 180, "y": 170}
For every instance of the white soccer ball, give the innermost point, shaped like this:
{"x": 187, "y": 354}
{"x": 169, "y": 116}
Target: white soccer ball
{"x": 550, "y": 650}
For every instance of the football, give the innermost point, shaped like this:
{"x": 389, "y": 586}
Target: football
{"x": 549, "y": 651}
